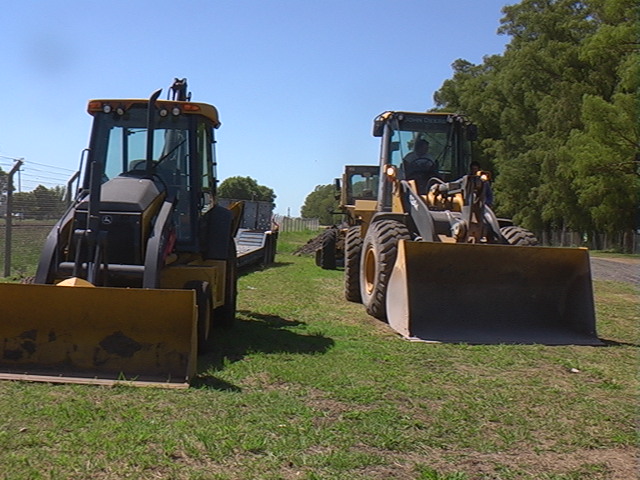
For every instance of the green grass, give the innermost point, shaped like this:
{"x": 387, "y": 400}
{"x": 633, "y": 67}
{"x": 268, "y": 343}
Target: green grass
{"x": 307, "y": 386}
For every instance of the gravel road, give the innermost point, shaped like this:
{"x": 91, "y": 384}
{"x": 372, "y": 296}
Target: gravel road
{"x": 616, "y": 269}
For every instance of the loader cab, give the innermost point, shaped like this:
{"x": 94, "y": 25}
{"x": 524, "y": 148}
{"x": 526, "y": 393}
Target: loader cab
{"x": 448, "y": 137}
{"x": 361, "y": 183}
{"x": 181, "y": 167}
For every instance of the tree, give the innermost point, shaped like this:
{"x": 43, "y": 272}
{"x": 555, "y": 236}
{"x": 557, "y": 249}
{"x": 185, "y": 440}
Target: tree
{"x": 558, "y": 113}
{"x": 245, "y": 188}
{"x": 320, "y": 203}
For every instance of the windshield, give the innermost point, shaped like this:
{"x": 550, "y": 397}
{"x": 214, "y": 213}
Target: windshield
{"x": 120, "y": 142}
{"x": 363, "y": 186}
{"x": 430, "y": 137}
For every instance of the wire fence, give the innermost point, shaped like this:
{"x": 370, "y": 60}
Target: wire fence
{"x": 28, "y": 237}
{"x": 27, "y": 240}
{"x": 31, "y": 200}
{"x": 34, "y": 213}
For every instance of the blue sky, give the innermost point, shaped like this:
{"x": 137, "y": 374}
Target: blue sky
{"x": 297, "y": 82}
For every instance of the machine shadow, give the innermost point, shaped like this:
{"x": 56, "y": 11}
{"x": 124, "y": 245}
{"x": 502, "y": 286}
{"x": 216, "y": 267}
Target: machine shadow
{"x": 255, "y": 332}
{"x": 615, "y": 343}
{"x": 245, "y": 270}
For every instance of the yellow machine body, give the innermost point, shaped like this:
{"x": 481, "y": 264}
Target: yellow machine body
{"x": 439, "y": 265}
{"x": 133, "y": 274}
{"x": 490, "y": 294}
{"x": 210, "y": 271}
{"x": 97, "y": 335}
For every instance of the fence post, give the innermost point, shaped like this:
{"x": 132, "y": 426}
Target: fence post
{"x": 9, "y": 213}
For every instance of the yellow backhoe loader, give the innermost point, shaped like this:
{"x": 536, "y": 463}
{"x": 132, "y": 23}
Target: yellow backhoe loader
{"x": 141, "y": 265}
{"x": 437, "y": 264}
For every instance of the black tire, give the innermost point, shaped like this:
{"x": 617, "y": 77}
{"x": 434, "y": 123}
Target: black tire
{"x": 519, "y": 236}
{"x": 203, "y": 303}
{"x": 379, "y": 252}
{"x": 352, "y": 253}
{"x": 225, "y": 315}
{"x": 328, "y": 251}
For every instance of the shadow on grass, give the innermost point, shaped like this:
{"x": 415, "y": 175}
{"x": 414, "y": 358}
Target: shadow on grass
{"x": 615, "y": 343}
{"x": 254, "y": 333}
{"x": 247, "y": 269}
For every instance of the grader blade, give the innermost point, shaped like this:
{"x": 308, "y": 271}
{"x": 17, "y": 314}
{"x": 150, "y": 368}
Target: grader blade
{"x": 97, "y": 335}
{"x": 491, "y": 294}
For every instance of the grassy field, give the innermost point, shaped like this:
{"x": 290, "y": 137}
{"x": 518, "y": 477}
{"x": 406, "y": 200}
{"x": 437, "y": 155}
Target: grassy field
{"x": 307, "y": 386}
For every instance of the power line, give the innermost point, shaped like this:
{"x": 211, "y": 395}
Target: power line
{"x": 29, "y": 162}
{"x": 53, "y": 176}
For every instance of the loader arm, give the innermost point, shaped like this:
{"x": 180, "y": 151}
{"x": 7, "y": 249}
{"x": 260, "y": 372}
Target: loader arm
{"x": 418, "y": 211}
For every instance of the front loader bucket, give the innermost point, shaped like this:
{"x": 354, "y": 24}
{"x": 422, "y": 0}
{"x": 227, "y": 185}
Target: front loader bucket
{"x": 97, "y": 335}
{"x": 489, "y": 294}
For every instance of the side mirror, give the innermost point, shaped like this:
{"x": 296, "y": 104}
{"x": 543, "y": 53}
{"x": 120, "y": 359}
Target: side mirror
{"x": 338, "y": 189}
{"x": 378, "y": 128}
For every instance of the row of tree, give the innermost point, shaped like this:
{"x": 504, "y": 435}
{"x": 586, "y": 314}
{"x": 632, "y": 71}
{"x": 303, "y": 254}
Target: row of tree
{"x": 320, "y": 204}
{"x": 48, "y": 203}
{"x": 40, "y": 203}
{"x": 558, "y": 114}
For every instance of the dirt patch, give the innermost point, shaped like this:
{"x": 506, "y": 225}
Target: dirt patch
{"x": 604, "y": 464}
{"x": 616, "y": 269}
{"x": 609, "y": 464}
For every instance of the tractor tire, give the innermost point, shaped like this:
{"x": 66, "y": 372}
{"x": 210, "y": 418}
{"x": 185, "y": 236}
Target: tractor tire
{"x": 203, "y": 303}
{"x": 379, "y": 252}
{"x": 224, "y": 316}
{"x": 519, "y": 236}
{"x": 352, "y": 253}
{"x": 327, "y": 258}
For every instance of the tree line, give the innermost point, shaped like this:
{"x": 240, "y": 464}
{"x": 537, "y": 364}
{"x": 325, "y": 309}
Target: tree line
{"x": 48, "y": 203}
{"x": 40, "y": 203}
{"x": 557, "y": 114}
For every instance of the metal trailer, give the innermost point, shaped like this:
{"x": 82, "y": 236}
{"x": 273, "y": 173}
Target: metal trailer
{"x": 257, "y": 236}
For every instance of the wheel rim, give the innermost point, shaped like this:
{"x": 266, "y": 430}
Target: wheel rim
{"x": 369, "y": 270}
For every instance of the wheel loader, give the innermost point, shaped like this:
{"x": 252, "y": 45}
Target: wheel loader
{"x": 437, "y": 264}
{"x": 140, "y": 267}
{"x": 357, "y": 192}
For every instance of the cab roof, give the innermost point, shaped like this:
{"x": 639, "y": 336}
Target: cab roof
{"x": 193, "y": 108}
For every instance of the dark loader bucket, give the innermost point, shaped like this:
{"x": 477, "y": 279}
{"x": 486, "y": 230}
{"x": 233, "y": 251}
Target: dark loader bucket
{"x": 491, "y": 294}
